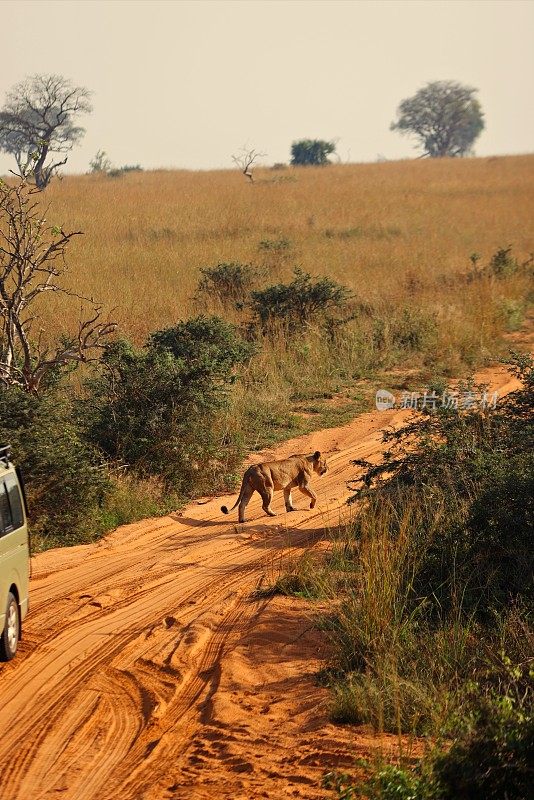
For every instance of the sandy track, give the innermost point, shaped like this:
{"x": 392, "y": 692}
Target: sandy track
{"x": 148, "y": 671}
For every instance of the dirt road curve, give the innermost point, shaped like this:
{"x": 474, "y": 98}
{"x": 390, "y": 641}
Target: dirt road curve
{"x": 147, "y": 671}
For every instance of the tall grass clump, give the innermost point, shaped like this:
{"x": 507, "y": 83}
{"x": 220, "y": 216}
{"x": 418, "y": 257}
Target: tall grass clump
{"x": 444, "y": 545}
{"x": 434, "y": 636}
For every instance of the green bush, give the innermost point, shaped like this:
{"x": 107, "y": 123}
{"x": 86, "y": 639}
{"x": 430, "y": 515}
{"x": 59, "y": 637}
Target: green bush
{"x": 304, "y": 301}
{"x": 443, "y": 566}
{"x": 512, "y": 313}
{"x": 388, "y": 782}
{"x": 229, "y": 282}
{"x": 118, "y": 172}
{"x": 473, "y": 470}
{"x": 491, "y": 758}
{"x": 160, "y": 409}
{"x": 408, "y": 329}
{"x": 502, "y": 263}
{"x": 65, "y": 477}
{"x": 281, "y": 245}
{"x": 306, "y": 152}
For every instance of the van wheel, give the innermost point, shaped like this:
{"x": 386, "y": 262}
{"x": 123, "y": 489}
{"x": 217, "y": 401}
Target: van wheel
{"x": 10, "y": 636}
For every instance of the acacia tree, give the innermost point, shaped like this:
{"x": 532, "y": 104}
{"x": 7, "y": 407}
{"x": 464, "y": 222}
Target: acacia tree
{"x": 306, "y": 152}
{"x": 444, "y": 116}
{"x": 38, "y": 124}
{"x": 32, "y": 261}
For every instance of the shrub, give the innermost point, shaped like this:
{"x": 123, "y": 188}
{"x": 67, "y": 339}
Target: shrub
{"x": 118, "y": 172}
{"x": 160, "y": 408}
{"x": 512, "y": 313}
{"x": 492, "y": 758}
{"x": 443, "y": 563}
{"x": 100, "y": 163}
{"x": 278, "y": 246}
{"x": 408, "y": 329}
{"x": 502, "y": 263}
{"x": 209, "y": 347}
{"x": 302, "y": 302}
{"x": 372, "y": 232}
{"x": 474, "y": 471}
{"x": 65, "y": 478}
{"x": 228, "y": 282}
{"x": 306, "y": 152}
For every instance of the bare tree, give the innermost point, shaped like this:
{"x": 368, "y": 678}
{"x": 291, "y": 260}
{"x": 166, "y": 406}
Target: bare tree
{"x": 32, "y": 261}
{"x": 37, "y": 123}
{"x": 246, "y": 159}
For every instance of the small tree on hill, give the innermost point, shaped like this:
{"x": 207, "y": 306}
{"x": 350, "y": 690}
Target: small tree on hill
{"x": 444, "y": 116}
{"x": 306, "y": 152}
{"x": 37, "y": 124}
{"x": 100, "y": 163}
{"x": 246, "y": 159}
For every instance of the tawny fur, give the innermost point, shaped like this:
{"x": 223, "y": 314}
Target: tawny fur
{"x": 290, "y": 473}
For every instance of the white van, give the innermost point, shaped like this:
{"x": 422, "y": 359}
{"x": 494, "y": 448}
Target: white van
{"x": 14, "y": 556}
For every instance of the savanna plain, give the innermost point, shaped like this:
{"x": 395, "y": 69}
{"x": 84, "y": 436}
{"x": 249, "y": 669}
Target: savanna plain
{"x": 381, "y": 648}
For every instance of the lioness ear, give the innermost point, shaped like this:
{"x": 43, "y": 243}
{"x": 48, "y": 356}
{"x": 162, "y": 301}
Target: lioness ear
{"x": 317, "y": 455}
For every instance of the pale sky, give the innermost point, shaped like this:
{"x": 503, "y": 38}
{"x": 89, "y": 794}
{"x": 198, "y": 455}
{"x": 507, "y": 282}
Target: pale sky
{"x": 185, "y": 84}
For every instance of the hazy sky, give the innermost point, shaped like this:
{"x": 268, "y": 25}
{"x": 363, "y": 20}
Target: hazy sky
{"x": 185, "y": 84}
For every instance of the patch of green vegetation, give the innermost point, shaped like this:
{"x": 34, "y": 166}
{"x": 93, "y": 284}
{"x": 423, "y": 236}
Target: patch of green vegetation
{"x": 433, "y": 596}
{"x": 490, "y": 757}
{"x": 377, "y": 232}
{"x": 292, "y": 585}
{"x": 280, "y": 245}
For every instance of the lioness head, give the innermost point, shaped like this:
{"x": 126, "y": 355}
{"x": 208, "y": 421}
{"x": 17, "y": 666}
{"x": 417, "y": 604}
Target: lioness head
{"x": 319, "y": 463}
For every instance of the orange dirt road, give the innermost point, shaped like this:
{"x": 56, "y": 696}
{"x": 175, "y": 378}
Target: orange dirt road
{"x": 148, "y": 671}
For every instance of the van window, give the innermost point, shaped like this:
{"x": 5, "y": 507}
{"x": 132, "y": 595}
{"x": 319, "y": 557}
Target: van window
{"x": 15, "y": 503}
{"x": 11, "y": 516}
{"x": 6, "y": 523}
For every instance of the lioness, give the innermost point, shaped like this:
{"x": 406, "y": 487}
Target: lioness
{"x": 293, "y": 472}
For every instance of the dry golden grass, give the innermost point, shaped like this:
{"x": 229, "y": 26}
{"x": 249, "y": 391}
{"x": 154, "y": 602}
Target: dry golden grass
{"x": 393, "y": 232}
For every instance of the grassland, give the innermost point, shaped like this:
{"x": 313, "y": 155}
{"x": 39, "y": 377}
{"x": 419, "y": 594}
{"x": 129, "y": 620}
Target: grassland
{"x": 415, "y": 242}
{"x": 396, "y": 233}
{"x": 401, "y": 236}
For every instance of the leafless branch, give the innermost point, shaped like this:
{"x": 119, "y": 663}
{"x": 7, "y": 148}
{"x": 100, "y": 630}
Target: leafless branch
{"x": 32, "y": 262}
{"x": 245, "y": 160}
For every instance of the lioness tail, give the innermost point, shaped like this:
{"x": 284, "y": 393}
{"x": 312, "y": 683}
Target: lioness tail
{"x": 226, "y": 510}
